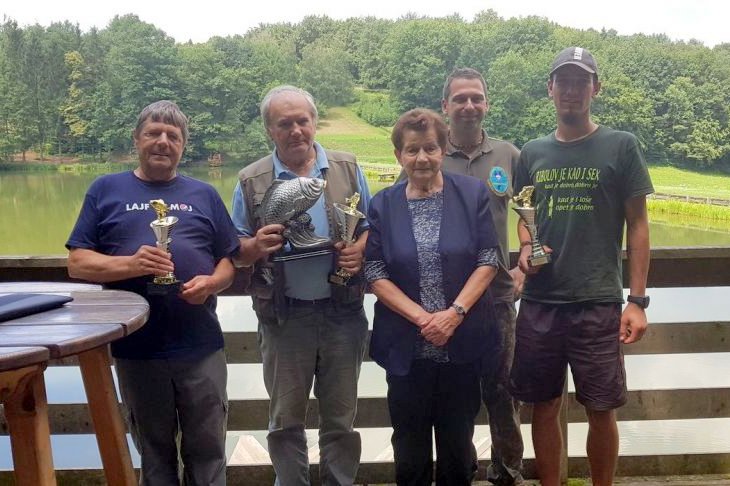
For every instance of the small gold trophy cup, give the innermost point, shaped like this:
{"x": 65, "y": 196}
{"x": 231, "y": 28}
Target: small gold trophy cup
{"x": 162, "y": 227}
{"x": 527, "y": 213}
{"x": 347, "y": 218}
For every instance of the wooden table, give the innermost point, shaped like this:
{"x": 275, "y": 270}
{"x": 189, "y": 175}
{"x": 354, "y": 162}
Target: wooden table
{"x": 82, "y": 328}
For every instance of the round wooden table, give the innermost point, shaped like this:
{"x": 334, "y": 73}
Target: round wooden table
{"x": 83, "y": 328}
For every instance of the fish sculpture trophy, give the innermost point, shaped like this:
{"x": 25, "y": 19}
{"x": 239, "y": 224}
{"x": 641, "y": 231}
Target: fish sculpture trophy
{"x": 348, "y": 219}
{"x": 162, "y": 227}
{"x": 527, "y": 212}
{"x": 286, "y": 202}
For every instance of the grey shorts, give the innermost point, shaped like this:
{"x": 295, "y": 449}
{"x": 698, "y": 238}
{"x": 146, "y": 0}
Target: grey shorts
{"x": 582, "y": 335}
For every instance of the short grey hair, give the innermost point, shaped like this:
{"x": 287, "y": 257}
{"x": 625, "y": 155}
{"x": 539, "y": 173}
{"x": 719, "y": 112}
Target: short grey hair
{"x": 286, "y": 89}
{"x": 163, "y": 111}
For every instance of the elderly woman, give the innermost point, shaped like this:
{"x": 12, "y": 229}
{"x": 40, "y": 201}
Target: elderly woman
{"x": 431, "y": 253}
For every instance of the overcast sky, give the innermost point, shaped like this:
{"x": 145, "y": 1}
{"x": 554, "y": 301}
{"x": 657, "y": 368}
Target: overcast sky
{"x": 705, "y": 20}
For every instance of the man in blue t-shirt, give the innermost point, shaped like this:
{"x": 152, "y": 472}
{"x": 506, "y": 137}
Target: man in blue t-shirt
{"x": 172, "y": 372}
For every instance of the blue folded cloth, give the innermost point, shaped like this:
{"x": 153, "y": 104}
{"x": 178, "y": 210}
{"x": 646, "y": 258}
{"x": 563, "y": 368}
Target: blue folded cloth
{"x": 13, "y": 306}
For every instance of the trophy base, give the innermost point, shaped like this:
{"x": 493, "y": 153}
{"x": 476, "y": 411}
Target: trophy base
{"x": 299, "y": 254}
{"x": 162, "y": 289}
{"x": 538, "y": 260}
{"x": 341, "y": 280}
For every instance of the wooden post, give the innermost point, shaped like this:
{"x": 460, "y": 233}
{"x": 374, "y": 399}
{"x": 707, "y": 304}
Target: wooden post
{"x": 108, "y": 424}
{"x": 23, "y": 393}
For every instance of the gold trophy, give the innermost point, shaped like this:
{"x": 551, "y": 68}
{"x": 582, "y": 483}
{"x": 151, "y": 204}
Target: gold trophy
{"x": 347, "y": 218}
{"x": 527, "y": 213}
{"x": 162, "y": 227}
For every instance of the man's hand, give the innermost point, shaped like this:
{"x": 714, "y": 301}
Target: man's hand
{"x": 269, "y": 239}
{"x": 525, "y": 252}
{"x": 196, "y": 290}
{"x": 633, "y": 324}
{"x": 441, "y": 326}
{"x": 518, "y": 282}
{"x": 350, "y": 257}
{"x": 150, "y": 260}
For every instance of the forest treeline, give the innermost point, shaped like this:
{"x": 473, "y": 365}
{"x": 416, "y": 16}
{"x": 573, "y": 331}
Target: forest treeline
{"x": 68, "y": 92}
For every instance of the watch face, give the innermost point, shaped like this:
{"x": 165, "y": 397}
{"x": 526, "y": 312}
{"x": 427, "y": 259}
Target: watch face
{"x": 459, "y": 309}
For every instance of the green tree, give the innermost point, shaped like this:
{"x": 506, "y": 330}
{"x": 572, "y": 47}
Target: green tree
{"x": 421, "y": 53}
{"x": 706, "y": 143}
{"x": 140, "y": 67}
{"x": 364, "y": 43}
{"x": 624, "y": 106}
{"x": 324, "y": 73}
{"x": 520, "y": 109}
{"x": 75, "y": 109}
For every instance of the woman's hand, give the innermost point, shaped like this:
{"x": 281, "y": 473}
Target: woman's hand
{"x": 422, "y": 319}
{"x": 441, "y": 327}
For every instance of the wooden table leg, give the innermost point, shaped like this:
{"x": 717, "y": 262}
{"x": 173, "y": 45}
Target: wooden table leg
{"x": 108, "y": 424}
{"x": 23, "y": 393}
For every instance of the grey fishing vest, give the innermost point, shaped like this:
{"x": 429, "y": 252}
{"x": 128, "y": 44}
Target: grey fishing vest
{"x": 255, "y": 179}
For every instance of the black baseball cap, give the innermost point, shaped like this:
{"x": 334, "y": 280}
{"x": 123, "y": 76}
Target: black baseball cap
{"x": 577, "y": 56}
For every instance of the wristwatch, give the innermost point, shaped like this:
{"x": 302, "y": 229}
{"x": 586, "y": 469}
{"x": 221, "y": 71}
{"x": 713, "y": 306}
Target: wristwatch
{"x": 459, "y": 309}
{"x": 641, "y": 301}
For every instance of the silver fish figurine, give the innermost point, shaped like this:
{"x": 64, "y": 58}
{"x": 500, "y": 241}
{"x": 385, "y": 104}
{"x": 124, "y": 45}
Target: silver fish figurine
{"x": 286, "y": 202}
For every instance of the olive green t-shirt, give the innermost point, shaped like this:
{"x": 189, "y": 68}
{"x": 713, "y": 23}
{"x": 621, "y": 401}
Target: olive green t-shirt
{"x": 580, "y": 191}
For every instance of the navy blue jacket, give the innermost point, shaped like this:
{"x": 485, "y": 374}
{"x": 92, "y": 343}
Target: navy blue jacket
{"x": 466, "y": 227}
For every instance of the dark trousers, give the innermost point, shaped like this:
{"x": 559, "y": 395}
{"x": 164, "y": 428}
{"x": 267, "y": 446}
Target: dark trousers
{"x": 442, "y": 397}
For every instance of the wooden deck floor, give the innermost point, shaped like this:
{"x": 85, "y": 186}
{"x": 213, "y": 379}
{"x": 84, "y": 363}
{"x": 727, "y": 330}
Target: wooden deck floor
{"x": 704, "y": 480}
{"x": 708, "y": 480}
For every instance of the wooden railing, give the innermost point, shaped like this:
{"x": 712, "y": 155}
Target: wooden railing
{"x": 682, "y": 267}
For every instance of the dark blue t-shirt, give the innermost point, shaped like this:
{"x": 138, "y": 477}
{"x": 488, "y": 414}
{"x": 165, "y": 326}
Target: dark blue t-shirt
{"x": 115, "y": 220}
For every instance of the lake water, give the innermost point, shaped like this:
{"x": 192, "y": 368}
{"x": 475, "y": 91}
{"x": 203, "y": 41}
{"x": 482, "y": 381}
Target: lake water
{"x": 39, "y": 210}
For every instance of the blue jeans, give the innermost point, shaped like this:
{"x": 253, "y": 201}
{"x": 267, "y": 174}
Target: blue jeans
{"x": 321, "y": 343}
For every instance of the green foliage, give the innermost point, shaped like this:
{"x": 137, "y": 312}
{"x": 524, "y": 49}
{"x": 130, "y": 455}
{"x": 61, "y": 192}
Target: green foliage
{"x": 96, "y": 167}
{"x": 691, "y": 210}
{"x": 520, "y": 109}
{"x": 624, "y": 106}
{"x": 253, "y": 145}
{"x": 325, "y": 73}
{"x": 376, "y": 108}
{"x": 421, "y": 53}
{"x": 67, "y": 92}
{"x": 364, "y": 39}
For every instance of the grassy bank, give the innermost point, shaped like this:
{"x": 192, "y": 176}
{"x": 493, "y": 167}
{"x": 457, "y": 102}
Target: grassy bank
{"x": 98, "y": 167}
{"x": 682, "y": 182}
{"x": 27, "y": 166}
{"x": 692, "y": 211}
{"x": 343, "y": 130}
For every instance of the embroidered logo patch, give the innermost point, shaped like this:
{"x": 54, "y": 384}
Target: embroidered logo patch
{"x": 498, "y": 180}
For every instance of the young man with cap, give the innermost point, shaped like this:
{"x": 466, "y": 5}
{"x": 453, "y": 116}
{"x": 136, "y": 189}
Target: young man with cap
{"x": 588, "y": 181}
